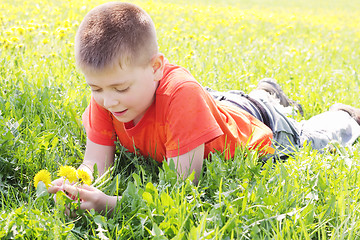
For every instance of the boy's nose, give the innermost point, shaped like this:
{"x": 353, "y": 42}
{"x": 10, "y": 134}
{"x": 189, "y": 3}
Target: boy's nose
{"x": 110, "y": 102}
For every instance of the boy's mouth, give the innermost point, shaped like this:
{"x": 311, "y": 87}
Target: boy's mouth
{"x": 119, "y": 114}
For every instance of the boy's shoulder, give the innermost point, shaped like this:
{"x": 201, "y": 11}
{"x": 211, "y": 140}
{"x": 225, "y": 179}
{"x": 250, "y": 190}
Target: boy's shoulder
{"x": 175, "y": 78}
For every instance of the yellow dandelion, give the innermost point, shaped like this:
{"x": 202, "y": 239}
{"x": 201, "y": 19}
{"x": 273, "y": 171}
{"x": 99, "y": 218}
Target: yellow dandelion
{"x": 68, "y": 173}
{"x": 6, "y": 43}
{"x": 70, "y": 45}
{"x": 67, "y": 23}
{"x": 45, "y": 41}
{"x": 21, "y": 30}
{"x": 43, "y": 176}
{"x": 14, "y": 39}
{"x": 20, "y": 45}
{"x": 8, "y": 32}
{"x": 83, "y": 177}
{"x": 30, "y": 29}
{"x": 61, "y": 32}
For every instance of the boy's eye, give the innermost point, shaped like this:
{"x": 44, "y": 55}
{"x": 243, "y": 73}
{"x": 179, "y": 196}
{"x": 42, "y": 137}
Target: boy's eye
{"x": 122, "y": 90}
{"x": 96, "y": 89}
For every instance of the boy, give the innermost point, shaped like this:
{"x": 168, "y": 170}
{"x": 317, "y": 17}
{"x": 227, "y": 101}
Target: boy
{"x": 147, "y": 103}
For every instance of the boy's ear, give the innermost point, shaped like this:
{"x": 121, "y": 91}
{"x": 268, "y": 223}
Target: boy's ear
{"x": 157, "y": 64}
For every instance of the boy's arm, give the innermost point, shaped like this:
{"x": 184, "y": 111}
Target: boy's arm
{"x": 101, "y": 155}
{"x": 189, "y": 162}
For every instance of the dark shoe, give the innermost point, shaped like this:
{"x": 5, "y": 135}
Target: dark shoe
{"x": 352, "y": 111}
{"x": 271, "y": 86}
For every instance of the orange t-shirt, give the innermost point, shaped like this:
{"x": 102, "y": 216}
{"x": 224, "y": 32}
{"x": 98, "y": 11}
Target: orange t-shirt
{"x": 182, "y": 117}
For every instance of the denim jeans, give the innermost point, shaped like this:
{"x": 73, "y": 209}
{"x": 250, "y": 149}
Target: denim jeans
{"x": 288, "y": 134}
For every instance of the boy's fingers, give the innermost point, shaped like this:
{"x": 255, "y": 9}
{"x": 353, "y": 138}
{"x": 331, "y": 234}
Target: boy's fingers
{"x": 58, "y": 182}
{"x": 70, "y": 214}
{"x": 71, "y": 191}
{"x": 54, "y": 189}
{"x": 76, "y": 191}
{"x": 57, "y": 185}
{"x": 87, "y": 187}
{"x": 86, "y": 206}
{"x": 67, "y": 212}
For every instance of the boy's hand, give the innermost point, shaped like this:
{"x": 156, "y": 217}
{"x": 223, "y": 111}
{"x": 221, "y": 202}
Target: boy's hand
{"x": 56, "y": 185}
{"x": 91, "y": 198}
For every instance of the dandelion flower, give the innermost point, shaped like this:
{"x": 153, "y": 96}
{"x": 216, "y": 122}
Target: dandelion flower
{"x": 60, "y": 31}
{"x": 67, "y": 23}
{"x": 21, "y": 30}
{"x": 43, "y": 176}
{"x": 14, "y": 39}
{"x": 83, "y": 177}
{"x": 8, "y": 32}
{"x": 68, "y": 173}
{"x": 6, "y": 43}
{"x": 30, "y": 29}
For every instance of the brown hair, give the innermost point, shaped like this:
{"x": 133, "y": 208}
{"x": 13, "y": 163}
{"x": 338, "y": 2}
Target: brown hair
{"x": 115, "y": 33}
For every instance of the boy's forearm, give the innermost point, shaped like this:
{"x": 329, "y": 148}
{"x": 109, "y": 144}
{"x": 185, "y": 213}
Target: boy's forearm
{"x": 102, "y": 156}
{"x": 88, "y": 166}
{"x": 189, "y": 162}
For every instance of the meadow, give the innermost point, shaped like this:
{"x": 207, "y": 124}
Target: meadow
{"x": 312, "y": 48}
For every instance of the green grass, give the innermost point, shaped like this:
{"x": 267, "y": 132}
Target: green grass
{"x": 310, "y": 47}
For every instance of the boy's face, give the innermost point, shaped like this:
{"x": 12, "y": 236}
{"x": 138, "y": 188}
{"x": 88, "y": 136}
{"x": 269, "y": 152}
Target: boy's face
{"x": 126, "y": 92}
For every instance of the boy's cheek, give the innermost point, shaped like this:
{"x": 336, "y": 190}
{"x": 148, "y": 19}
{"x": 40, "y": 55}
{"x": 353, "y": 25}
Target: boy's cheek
{"x": 99, "y": 101}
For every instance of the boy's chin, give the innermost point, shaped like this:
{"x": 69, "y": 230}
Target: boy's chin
{"x": 124, "y": 120}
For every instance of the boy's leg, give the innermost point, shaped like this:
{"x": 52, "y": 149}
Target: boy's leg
{"x": 336, "y": 125}
{"x": 266, "y": 106}
{"x": 271, "y": 86}
{"x": 286, "y": 131}
{"x": 352, "y": 111}
{"x": 341, "y": 124}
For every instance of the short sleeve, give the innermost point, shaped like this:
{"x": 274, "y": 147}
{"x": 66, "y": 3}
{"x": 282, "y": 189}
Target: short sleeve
{"x": 189, "y": 119}
{"x": 98, "y": 124}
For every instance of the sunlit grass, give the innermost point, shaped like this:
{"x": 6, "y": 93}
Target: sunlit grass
{"x": 311, "y": 47}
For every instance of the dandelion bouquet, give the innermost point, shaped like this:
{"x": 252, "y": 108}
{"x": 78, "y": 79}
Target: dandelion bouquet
{"x": 42, "y": 181}
{"x": 67, "y": 172}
